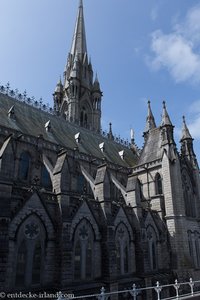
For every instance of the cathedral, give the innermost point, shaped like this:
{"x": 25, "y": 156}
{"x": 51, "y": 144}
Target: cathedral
{"x": 80, "y": 208}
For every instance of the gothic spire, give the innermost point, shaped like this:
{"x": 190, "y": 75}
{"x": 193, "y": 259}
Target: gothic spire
{"x": 150, "y": 121}
{"x": 79, "y": 39}
{"x": 165, "y": 117}
{"x": 185, "y": 131}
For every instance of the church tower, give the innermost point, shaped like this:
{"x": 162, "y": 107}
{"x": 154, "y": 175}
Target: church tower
{"x": 78, "y": 98}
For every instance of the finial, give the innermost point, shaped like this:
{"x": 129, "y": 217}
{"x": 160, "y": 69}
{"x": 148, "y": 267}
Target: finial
{"x": 164, "y": 104}
{"x": 110, "y": 134}
{"x": 184, "y": 120}
{"x": 81, "y": 3}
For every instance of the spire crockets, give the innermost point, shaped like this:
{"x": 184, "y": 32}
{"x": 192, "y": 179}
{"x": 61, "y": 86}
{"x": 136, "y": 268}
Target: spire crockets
{"x": 81, "y": 98}
{"x": 150, "y": 121}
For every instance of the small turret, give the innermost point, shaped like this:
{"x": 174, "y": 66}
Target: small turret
{"x": 166, "y": 127}
{"x": 57, "y": 95}
{"x": 186, "y": 141}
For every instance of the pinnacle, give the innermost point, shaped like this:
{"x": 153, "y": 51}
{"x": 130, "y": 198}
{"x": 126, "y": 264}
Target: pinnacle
{"x": 165, "y": 117}
{"x": 185, "y": 131}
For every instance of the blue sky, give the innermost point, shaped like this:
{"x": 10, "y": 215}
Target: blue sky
{"x": 141, "y": 49}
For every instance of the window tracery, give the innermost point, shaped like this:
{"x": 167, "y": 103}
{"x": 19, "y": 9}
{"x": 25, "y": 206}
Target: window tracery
{"x": 83, "y": 251}
{"x": 24, "y": 166}
{"x": 122, "y": 241}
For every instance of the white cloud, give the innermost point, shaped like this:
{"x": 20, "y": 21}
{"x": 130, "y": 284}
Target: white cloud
{"x": 178, "y": 51}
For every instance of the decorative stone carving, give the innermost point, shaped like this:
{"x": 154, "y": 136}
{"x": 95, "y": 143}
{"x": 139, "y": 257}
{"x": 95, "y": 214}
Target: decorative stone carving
{"x": 31, "y": 230}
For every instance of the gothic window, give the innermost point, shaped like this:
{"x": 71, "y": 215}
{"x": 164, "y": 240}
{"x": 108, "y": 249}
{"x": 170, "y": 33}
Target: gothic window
{"x": 85, "y": 114}
{"x": 194, "y": 249}
{"x": 122, "y": 241}
{"x": 24, "y": 165}
{"x": 83, "y": 251}
{"x": 45, "y": 178}
{"x": 21, "y": 265}
{"x": 189, "y": 196}
{"x": 81, "y": 184}
{"x": 140, "y": 187}
{"x": 36, "y": 271}
{"x": 158, "y": 184}
{"x": 83, "y": 117}
{"x": 30, "y": 253}
{"x": 152, "y": 248}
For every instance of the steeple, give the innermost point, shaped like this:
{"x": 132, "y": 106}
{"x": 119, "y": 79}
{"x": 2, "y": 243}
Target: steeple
{"x": 150, "y": 121}
{"x": 165, "y": 117}
{"x": 79, "y": 44}
{"x": 80, "y": 100}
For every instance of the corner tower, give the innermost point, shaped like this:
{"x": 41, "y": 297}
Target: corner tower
{"x": 78, "y": 98}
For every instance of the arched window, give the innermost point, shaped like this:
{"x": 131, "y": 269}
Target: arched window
{"x": 45, "y": 178}
{"x": 83, "y": 251}
{"x": 36, "y": 269}
{"x": 21, "y": 265}
{"x": 152, "y": 247}
{"x": 189, "y": 196}
{"x": 30, "y": 254}
{"x": 140, "y": 188}
{"x": 81, "y": 184}
{"x": 122, "y": 249}
{"x": 24, "y": 165}
{"x": 158, "y": 184}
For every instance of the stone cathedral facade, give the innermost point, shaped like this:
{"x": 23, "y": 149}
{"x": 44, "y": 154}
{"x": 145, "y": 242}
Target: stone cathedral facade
{"x": 80, "y": 209}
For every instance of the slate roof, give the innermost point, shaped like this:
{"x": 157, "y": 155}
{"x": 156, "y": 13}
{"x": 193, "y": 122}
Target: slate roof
{"x": 31, "y": 121}
{"x": 152, "y": 148}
